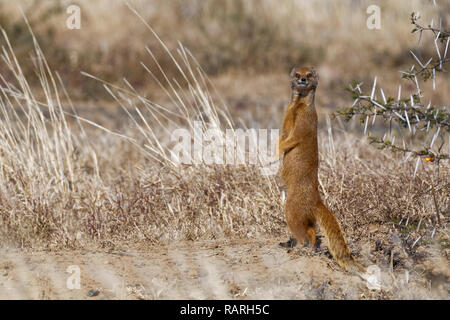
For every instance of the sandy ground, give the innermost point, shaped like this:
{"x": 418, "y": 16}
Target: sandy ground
{"x": 203, "y": 270}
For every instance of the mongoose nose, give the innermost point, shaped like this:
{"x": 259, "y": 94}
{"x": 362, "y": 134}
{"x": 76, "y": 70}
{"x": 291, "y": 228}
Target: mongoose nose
{"x": 303, "y": 79}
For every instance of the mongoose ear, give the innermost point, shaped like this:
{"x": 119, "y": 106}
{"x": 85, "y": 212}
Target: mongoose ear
{"x": 313, "y": 70}
{"x": 292, "y": 72}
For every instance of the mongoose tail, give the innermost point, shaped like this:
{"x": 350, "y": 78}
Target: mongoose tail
{"x": 336, "y": 243}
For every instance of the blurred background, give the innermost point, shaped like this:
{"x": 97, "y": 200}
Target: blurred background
{"x": 248, "y": 47}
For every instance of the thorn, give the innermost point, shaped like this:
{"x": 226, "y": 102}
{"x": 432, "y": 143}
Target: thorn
{"x": 382, "y": 94}
{"x": 407, "y": 120}
{"x": 373, "y": 88}
{"x": 434, "y": 137}
{"x": 365, "y": 126}
{"x": 417, "y": 166}
{"x": 434, "y": 79}
{"x": 417, "y": 59}
{"x": 437, "y": 47}
{"x": 416, "y": 241}
{"x": 446, "y": 47}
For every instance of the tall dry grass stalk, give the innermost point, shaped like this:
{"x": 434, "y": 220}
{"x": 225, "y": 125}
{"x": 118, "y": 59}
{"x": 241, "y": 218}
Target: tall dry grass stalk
{"x": 67, "y": 181}
{"x": 40, "y": 165}
{"x": 231, "y": 36}
{"x": 49, "y": 194}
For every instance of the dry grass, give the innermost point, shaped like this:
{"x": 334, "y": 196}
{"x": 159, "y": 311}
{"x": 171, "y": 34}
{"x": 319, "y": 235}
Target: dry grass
{"x": 68, "y": 181}
{"x": 68, "y": 186}
{"x": 257, "y": 37}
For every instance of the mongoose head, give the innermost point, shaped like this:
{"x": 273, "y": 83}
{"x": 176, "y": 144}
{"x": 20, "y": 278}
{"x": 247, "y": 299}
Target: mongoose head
{"x": 303, "y": 80}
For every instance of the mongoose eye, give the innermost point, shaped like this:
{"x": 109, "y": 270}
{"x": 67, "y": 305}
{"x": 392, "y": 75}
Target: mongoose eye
{"x": 309, "y": 74}
{"x": 298, "y": 75}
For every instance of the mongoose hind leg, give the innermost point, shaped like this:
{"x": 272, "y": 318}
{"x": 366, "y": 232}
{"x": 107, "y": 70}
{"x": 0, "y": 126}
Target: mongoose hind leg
{"x": 315, "y": 243}
{"x": 292, "y": 242}
{"x": 311, "y": 241}
{"x": 302, "y": 228}
{"x": 311, "y": 236}
{"x": 298, "y": 230}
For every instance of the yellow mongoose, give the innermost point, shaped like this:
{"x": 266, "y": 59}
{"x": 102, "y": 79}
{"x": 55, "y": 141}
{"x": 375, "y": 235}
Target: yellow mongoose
{"x": 298, "y": 144}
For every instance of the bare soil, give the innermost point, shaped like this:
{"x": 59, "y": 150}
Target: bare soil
{"x": 241, "y": 269}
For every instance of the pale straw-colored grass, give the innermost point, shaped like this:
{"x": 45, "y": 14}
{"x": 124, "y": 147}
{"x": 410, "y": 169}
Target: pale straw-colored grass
{"x": 69, "y": 183}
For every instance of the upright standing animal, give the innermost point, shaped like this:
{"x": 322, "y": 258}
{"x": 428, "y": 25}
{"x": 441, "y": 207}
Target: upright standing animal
{"x": 298, "y": 144}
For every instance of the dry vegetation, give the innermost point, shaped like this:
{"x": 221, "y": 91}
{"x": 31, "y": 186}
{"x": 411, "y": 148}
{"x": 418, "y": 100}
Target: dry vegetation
{"x": 104, "y": 177}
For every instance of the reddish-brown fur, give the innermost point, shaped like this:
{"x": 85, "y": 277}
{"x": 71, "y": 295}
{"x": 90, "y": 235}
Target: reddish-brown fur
{"x": 298, "y": 144}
